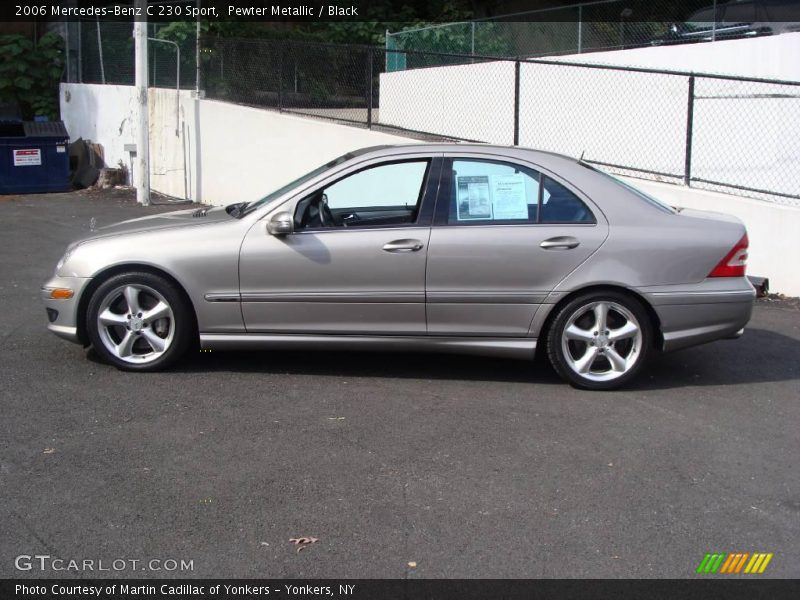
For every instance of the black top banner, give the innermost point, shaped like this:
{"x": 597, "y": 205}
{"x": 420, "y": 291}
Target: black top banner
{"x": 429, "y": 11}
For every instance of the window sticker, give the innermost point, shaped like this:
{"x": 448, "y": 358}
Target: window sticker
{"x": 508, "y": 197}
{"x": 474, "y": 201}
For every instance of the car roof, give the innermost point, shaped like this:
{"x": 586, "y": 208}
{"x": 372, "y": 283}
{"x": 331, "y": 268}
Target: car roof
{"x": 465, "y": 147}
{"x": 614, "y": 199}
{"x": 546, "y": 159}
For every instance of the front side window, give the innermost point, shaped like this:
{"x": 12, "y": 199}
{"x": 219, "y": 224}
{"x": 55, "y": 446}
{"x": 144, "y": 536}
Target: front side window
{"x": 382, "y": 195}
{"x": 493, "y": 192}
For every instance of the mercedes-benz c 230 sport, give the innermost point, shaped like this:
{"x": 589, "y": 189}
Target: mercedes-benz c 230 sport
{"x": 457, "y": 248}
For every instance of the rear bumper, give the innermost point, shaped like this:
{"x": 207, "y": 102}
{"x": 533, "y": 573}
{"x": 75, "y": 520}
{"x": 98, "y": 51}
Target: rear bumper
{"x": 717, "y": 308}
{"x": 62, "y": 315}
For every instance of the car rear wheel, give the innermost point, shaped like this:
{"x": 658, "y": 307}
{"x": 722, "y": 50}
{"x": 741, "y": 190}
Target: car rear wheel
{"x": 139, "y": 322}
{"x": 599, "y": 341}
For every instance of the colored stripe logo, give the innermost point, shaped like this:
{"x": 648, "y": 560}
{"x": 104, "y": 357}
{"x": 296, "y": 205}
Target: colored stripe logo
{"x": 734, "y": 563}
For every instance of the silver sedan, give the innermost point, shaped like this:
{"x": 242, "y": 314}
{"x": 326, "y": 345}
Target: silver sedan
{"x": 453, "y": 248}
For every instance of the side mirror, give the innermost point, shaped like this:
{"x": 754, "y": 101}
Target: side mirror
{"x": 281, "y": 224}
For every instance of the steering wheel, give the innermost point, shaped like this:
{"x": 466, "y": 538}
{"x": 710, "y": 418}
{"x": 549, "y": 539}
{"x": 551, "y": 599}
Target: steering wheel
{"x": 325, "y": 214}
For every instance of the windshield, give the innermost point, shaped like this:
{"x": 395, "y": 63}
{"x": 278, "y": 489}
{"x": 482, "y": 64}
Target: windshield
{"x": 299, "y": 181}
{"x": 643, "y": 195}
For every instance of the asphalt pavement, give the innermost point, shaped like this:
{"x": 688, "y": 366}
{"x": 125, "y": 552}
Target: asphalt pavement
{"x": 463, "y": 466}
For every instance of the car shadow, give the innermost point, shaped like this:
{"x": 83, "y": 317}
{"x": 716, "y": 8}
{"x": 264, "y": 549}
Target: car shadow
{"x": 761, "y": 356}
{"x": 401, "y": 365}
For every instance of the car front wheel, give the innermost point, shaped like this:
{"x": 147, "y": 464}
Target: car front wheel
{"x": 139, "y": 322}
{"x": 599, "y": 341}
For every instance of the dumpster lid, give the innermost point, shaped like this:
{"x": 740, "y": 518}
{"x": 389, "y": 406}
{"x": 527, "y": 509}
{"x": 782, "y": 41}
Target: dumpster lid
{"x": 45, "y": 129}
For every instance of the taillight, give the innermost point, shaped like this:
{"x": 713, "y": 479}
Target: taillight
{"x": 735, "y": 261}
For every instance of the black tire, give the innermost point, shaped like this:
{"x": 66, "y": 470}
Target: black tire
{"x": 635, "y": 350}
{"x": 176, "y": 330}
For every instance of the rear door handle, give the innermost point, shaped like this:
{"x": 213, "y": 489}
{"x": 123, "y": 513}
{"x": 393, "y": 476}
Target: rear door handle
{"x": 403, "y": 246}
{"x": 563, "y": 242}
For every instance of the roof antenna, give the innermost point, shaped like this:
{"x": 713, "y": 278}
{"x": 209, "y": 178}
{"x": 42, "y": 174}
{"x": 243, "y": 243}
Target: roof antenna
{"x": 582, "y": 153}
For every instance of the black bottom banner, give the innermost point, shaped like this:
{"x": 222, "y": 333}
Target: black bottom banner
{"x": 391, "y": 589}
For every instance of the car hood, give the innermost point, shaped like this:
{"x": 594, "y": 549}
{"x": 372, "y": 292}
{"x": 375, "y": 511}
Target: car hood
{"x": 179, "y": 218}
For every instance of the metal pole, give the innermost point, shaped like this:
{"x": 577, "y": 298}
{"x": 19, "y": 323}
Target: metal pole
{"x": 472, "y": 42}
{"x": 69, "y": 50}
{"x": 687, "y": 169}
{"x": 142, "y": 169}
{"x": 714, "y": 25}
{"x": 80, "y": 51}
{"x": 369, "y": 87}
{"x": 516, "y": 103}
{"x": 100, "y": 52}
{"x": 177, "y": 89}
{"x": 580, "y": 29}
{"x": 280, "y": 78}
{"x": 197, "y": 53}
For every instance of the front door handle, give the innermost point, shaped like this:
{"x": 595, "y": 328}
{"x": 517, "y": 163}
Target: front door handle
{"x": 403, "y": 246}
{"x": 562, "y": 242}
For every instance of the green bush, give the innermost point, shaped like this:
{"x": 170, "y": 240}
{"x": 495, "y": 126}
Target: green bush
{"x": 29, "y": 73}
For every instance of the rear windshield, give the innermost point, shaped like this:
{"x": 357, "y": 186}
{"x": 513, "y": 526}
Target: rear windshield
{"x": 651, "y": 200}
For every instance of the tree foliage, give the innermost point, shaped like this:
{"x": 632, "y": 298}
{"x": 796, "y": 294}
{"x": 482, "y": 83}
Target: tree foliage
{"x": 29, "y": 73}
{"x": 380, "y": 16}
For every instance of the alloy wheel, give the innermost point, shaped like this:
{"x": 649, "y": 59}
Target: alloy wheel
{"x": 602, "y": 341}
{"x": 135, "y": 323}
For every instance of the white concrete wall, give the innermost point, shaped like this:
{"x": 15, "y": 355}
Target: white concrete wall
{"x": 244, "y": 153}
{"x": 247, "y": 152}
{"x": 102, "y": 114}
{"x": 622, "y": 118}
{"x": 773, "y": 230}
{"x": 770, "y": 57}
{"x": 173, "y": 162}
{"x": 106, "y": 114}
{"x": 473, "y": 102}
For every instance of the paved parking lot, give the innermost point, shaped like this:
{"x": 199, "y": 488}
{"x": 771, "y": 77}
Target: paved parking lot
{"x": 468, "y": 467}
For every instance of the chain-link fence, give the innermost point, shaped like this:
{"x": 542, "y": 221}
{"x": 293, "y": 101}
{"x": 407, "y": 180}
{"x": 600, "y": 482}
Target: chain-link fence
{"x": 598, "y": 25}
{"x": 103, "y": 52}
{"x": 739, "y": 135}
{"x": 732, "y": 134}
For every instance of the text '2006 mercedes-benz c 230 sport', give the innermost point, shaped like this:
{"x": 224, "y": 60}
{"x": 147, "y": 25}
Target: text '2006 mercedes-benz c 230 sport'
{"x": 458, "y": 248}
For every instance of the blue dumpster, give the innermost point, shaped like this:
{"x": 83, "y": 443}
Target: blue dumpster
{"x": 34, "y": 157}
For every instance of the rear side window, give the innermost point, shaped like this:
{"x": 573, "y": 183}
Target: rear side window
{"x": 486, "y": 191}
{"x": 494, "y": 192}
{"x": 559, "y": 205}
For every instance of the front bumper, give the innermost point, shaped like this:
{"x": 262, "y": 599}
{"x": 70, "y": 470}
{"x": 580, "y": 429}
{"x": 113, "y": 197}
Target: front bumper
{"x": 714, "y": 309}
{"x": 62, "y": 314}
